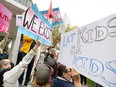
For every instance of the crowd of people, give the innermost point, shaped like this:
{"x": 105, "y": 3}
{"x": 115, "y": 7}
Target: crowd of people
{"x": 47, "y": 71}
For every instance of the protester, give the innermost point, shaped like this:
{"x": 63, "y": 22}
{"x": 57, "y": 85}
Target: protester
{"x": 9, "y": 77}
{"x": 66, "y": 78}
{"x": 42, "y": 74}
{"x": 2, "y": 46}
{"x": 50, "y": 60}
{"x": 27, "y": 45}
{"x": 57, "y": 54}
{"x": 47, "y": 52}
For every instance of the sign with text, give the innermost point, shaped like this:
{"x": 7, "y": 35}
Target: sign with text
{"x": 57, "y": 19}
{"x": 19, "y": 19}
{"x": 5, "y": 18}
{"x": 91, "y": 50}
{"x": 36, "y": 26}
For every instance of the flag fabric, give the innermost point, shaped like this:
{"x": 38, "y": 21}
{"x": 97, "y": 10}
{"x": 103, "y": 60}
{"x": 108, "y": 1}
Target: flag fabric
{"x": 66, "y": 21}
{"x": 50, "y": 11}
{"x": 63, "y": 26}
{"x": 36, "y": 26}
{"x": 57, "y": 18}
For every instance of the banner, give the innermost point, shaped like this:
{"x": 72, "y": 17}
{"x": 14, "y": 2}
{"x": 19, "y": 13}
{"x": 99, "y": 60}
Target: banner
{"x": 57, "y": 19}
{"x": 5, "y": 18}
{"x": 36, "y": 26}
{"x": 91, "y": 51}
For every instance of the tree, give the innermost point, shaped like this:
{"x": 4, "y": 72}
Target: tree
{"x": 56, "y": 35}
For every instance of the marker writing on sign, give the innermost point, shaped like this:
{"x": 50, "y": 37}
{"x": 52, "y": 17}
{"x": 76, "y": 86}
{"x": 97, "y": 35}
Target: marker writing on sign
{"x": 68, "y": 39}
{"x": 39, "y": 28}
{"x": 96, "y": 68}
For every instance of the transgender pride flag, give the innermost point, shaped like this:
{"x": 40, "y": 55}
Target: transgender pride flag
{"x": 35, "y": 25}
{"x": 57, "y": 19}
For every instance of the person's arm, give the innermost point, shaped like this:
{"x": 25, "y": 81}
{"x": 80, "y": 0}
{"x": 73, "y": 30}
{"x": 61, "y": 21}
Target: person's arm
{"x": 4, "y": 41}
{"x": 76, "y": 78}
{"x": 13, "y": 75}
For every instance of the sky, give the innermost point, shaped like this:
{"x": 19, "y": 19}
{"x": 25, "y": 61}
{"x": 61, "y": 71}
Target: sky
{"x": 81, "y": 12}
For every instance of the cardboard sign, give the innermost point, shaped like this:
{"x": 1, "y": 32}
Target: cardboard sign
{"x": 5, "y": 18}
{"x": 36, "y": 26}
{"x": 57, "y": 19}
{"x": 91, "y": 50}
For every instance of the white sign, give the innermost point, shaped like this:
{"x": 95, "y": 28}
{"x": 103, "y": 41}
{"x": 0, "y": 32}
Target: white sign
{"x": 91, "y": 50}
{"x": 19, "y": 19}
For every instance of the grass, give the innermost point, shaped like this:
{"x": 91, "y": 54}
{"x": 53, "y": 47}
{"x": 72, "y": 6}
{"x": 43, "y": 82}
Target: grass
{"x": 90, "y": 83}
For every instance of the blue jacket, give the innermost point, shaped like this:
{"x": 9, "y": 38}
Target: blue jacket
{"x": 61, "y": 83}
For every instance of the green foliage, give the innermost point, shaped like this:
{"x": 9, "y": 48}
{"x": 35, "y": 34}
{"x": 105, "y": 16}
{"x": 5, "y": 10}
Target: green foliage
{"x": 56, "y": 36}
{"x": 70, "y": 28}
{"x": 90, "y": 83}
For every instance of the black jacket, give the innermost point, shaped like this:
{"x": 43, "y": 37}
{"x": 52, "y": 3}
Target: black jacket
{"x": 1, "y": 76}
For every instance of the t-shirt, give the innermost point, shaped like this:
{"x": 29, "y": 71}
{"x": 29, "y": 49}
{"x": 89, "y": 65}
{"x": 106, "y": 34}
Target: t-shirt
{"x": 27, "y": 41}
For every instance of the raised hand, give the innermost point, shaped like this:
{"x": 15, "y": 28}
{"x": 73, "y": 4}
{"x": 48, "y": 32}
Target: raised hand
{"x": 76, "y": 78}
{"x": 38, "y": 43}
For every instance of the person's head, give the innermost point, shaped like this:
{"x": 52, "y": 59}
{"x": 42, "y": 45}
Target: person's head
{"x": 51, "y": 58}
{"x": 64, "y": 72}
{"x": 57, "y": 54}
{"x": 5, "y": 64}
{"x": 42, "y": 75}
{"x": 53, "y": 52}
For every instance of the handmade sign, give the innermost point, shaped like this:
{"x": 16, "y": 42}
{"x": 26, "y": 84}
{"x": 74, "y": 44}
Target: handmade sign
{"x": 91, "y": 50}
{"x": 36, "y": 26}
{"x": 5, "y": 18}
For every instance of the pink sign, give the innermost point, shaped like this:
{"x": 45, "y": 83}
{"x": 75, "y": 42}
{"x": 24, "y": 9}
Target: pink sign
{"x": 5, "y": 18}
